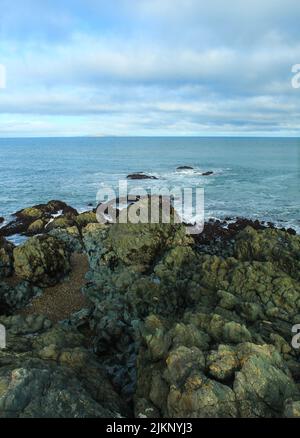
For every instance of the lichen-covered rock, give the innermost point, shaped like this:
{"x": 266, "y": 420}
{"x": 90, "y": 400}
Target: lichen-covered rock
{"x": 70, "y": 237}
{"x": 51, "y": 374}
{"x": 245, "y": 380}
{"x": 88, "y": 217}
{"x": 37, "y": 227}
{"x": 279, "y": 247}
{"x": 6, "y": 258}
{"x": 60, "y": 222}
{"x": 42, "y": 260}
{"x": 263, "y": 383}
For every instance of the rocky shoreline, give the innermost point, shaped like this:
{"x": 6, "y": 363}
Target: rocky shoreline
{"x": 171, "y": 325}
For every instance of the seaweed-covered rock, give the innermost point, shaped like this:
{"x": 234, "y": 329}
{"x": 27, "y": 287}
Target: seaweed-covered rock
{"x": 42, "y": 260}
{"x": 51, "y": 374}
{"x": 6, "y": 258}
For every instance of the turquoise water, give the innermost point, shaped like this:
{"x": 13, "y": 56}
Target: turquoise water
{"x": 255, "y": 178}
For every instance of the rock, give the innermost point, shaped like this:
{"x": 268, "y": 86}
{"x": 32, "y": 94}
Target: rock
{"x": 207, "y": 173}
{"x": 140, "y": 176}
{"x": 14, "y": 298}
{"x": 292, "y": 408}
{"x": 37, "y": 227}
{"x": 42, "y": 260}
{"x": 28, "y": 216}
{"x": 50, "y": 374}
{"x": 246, "y": 380}
{"x": 1, "y": 220}
{"x": 185, "y": 168}
{"x": 88, "y": 217}
{"x": 6, "y": 258}
{"x": 279, "y": 247}
{"x": 70, "y": 237}
{"x": 60, "y": 222}
{"x": 263, "y": 383}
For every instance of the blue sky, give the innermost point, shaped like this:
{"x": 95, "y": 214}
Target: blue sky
{"x": 149, "y": 67}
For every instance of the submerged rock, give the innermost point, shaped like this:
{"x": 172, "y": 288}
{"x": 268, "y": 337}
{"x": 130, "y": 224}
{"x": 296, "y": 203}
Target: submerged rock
{"x": 140, "y": 176}
{"x": 42, "y": 260}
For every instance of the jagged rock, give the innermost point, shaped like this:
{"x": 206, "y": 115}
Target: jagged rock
{"x": 51, "y": 374}
{"x": 271, "y": 245}
{"x": 246, "y": 380}
{"x": 42, "y": 260}
{"x": 6, "y": 258}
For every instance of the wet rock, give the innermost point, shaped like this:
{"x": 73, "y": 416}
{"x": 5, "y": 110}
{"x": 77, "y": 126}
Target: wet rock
{"x": 185, "y": 168}
{"x": 28, "y": 216}
{"x": 140, "y": 176}
{"x": 207, "y": 173}
{"x": 1, "y": 220}
{"x": 42, "y": 260}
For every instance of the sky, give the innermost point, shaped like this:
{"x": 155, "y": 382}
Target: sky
{"x": 149, "y": 67}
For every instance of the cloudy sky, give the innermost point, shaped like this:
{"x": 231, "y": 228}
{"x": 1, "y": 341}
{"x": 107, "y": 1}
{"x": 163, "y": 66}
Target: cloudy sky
{"x": 149, "y": 67}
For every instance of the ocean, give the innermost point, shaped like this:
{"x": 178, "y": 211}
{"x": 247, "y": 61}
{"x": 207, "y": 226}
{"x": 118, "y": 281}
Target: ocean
{"x": 257, "y": 178}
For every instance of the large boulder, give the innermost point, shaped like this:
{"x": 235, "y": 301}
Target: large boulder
{"x": 42, "y": 260}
